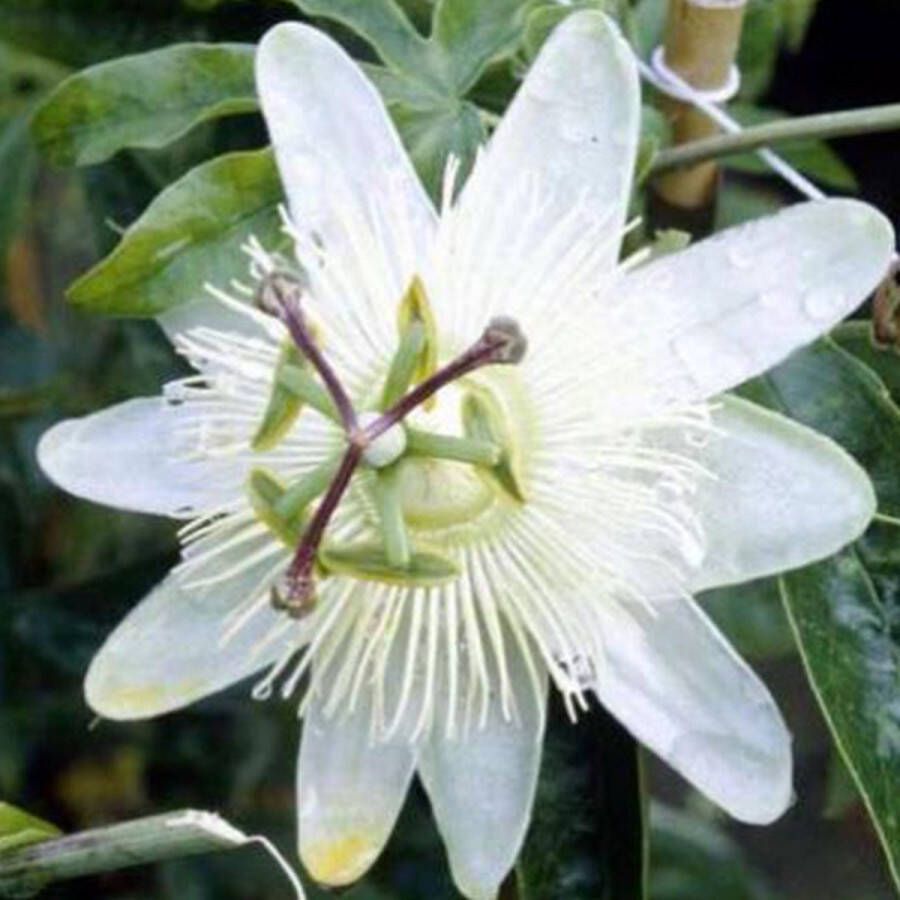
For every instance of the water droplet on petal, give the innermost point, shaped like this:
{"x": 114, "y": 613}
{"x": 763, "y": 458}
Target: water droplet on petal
{"x": 740, "y": 256}
{"x": 823, "y": 302}
{"x": 774, "y": 298}
{"x": 621, "y": 137}
{"x": 574, "y": 126}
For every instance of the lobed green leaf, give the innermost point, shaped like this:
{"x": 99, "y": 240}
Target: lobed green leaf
{"x": 189, "y": 235}
{"x": 856, "y": 339}
{"x": 827, "y": 389}
{"x": 145, "y": 100}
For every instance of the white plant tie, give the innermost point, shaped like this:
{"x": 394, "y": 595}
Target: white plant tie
{"x": 664, "y": 79}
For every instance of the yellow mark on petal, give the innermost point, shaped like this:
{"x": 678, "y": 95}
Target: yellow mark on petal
{"x": 341, "y": 861}
{"x": 131, "y": 702}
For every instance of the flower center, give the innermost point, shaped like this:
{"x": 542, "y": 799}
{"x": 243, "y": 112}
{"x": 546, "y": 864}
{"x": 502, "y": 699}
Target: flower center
{"x": 425, "y": 491}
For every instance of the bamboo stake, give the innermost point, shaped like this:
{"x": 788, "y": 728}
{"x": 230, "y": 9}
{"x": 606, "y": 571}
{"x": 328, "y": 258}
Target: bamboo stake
{"x": 701, "y": 43}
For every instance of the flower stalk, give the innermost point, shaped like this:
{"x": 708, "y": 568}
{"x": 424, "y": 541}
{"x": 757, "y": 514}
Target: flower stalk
{"x": 820, "y": 126}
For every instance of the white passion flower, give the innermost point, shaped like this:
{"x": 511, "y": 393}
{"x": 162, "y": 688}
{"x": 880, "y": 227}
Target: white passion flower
{"x": 405, "y": 518}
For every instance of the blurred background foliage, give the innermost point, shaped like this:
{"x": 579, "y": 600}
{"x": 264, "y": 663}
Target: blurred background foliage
{"x": 88, "y": 140}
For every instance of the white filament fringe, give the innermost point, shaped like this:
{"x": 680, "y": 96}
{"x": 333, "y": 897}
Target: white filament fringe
{"x": 664, "y": 79}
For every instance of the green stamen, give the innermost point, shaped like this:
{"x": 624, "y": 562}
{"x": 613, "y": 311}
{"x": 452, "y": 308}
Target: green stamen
{"x": 302, "y": 385}
{"x": 301, "y": 493}
{"x": 483, "y": 420}
{"x": 404, "y": 365}
{"x": 445, "y": 446}
{"x": 414, "y": 307}
{"x": 284, "y": 405}
{"x": 265, "y": 491}
{"x": 390, "y": 511}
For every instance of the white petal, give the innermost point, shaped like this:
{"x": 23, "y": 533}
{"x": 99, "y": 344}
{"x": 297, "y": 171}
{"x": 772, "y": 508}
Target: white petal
{"x": 571, "y": 132}
{"x": 339, "y": 154}
{"x": 481, "y": 784}
{"x": 207, "y": 312}
{"x": 732, "y": 306}
{"x": 176, "y": 646}
{"x": 127, "y": 456}
{"x": 679, "y": 688}
{"x": 783, "y": 496}
{"x": 349, "y": 792}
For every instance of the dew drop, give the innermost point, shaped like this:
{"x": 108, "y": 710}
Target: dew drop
{"x": 823, "y": 303}
{"x": 574, "y": 126}
{"x": 621, "y": 137}
{"x": 174, "y": 394}
{"x": 773, "y": 298}
{"x": 740, "y": 257}
{"x": 543, "y": 85}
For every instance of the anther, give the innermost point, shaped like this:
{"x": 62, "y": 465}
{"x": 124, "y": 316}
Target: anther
{"x": 295, "y": 593}
{"x": 509, "y": 339}
{"x": 278, "y": 291}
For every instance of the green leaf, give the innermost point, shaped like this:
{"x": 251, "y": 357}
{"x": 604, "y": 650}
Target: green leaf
{"x": 145, "y": 100}
{"x": 694, "y": 860}
{"x": 424, "y": 81}
{"x": 587, "y": 834}
{"x": 434, "y": 133}
{"x": 79, "y": 33}
{"x": 844, "y": 613}
{"x": 742, "y": 202}
{"x": 386, "y": 27}
{"x": 545, "y": 16}
{"x": 814, "y": 158}
{"x": 797, "y": 16}
{"x": 856, "y": 339}
{"x": 189, "y": 235}
{"x": 472, "y": 33}
{"x": 649, "y": 25}
{"x": 760, "y": 43}
{"x": 656, "y": 133}
{"x": 19, "y": 828}
{"x": 828, "y": 390}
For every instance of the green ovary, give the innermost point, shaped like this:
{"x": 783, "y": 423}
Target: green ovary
{"x": 438, "y": 494}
